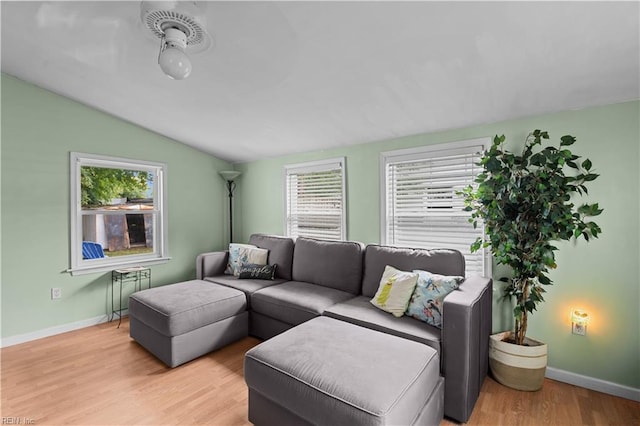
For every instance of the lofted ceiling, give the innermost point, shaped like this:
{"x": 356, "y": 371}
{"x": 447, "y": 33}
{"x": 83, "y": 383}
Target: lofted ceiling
{"x": 286, "y": 77}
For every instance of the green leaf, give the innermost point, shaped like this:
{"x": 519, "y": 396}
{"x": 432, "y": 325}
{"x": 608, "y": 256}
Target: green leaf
{"x": 492, "y": 165}
{"x": 594, "y": 229}
{"x": 544, "y": 280}
{"x": 595, "y": 210}
{"x": 584, "y": 189}
{"x": 584, "y": 209}
{"x": 517, "y": 312}
{"x": 590, "y": 177}
{"x": 586, "y": 164}
{"x": 530, "y": 306}
{"x": 475, "y": 246}
{"x": 567, "y": 140}
{"x": 537, "y": 159}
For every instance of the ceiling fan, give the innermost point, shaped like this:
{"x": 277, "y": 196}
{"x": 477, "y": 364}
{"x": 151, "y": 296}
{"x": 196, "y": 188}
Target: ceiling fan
{"x": 181, "y": 28}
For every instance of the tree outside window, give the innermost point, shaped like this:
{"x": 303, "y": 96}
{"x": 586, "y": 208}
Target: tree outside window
{"x": 117, "y": 212}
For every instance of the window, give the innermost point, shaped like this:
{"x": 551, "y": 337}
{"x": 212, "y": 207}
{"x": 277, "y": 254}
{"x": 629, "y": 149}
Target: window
{"x": 118, "y": 213}
{"x": 315, "y": 197}
{"x": 420, "y": 207}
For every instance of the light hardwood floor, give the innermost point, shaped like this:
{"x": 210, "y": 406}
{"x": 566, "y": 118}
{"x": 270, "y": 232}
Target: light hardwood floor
{"x": 99, "y": 376}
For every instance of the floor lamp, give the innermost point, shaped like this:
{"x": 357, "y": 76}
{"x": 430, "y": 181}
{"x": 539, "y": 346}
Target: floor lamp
{"x": 230, "y": 176}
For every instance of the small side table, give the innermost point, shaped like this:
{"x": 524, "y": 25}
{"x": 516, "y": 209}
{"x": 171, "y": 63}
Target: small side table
{"x": 137, "y": 275}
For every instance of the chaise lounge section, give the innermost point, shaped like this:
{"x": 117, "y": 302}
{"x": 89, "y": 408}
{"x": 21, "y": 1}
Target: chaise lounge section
{"x": 180, "y": 322}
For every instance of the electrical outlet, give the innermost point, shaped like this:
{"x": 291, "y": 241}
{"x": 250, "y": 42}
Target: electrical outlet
{"x": 56, "y": 293}
{"x": 579, "y": 329}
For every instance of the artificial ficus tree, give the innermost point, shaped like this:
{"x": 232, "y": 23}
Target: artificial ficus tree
{"x": 526, "y": 203}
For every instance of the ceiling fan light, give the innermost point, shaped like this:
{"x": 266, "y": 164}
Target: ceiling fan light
{"x": 175, "y": 63}
{"x": 172, "y": 60}
{"x": 181, "y": 27}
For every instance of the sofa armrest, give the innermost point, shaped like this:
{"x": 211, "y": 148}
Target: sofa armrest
{"x": 211, "y": 264}
{"x": 465, "y": 345}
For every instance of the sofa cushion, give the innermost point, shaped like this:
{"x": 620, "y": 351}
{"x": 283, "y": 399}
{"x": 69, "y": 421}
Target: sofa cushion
{"x": 395, "y": 290}
{"x": 335, "y": 264}
{"x": 361, "y": 312}
{"x": 295, "y": 302}
{"x": 175, "y": 309}
{"x": 280, "y": 252}
{"x": 249, "y": 286}
{"x": 440, "y": 261}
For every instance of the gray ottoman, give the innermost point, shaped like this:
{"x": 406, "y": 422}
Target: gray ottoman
{"x": 180, "y": 322}
{"x": 329, "y": 372}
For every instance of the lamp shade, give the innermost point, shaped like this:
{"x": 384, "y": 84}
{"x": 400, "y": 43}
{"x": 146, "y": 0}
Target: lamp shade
{"x": 229, "y": 175}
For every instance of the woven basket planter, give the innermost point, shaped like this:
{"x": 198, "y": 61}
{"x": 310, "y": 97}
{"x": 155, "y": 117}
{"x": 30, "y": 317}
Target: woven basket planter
{"x": 520, "y": 367}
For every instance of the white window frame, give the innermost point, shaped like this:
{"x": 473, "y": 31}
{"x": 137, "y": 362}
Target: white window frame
{"x": 311, "y": 167}
{"x": 159, "y": 255}
{"x": 425, "y": 153}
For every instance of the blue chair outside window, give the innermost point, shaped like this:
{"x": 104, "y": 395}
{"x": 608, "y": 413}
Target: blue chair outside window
{"x": 91, "y": 250}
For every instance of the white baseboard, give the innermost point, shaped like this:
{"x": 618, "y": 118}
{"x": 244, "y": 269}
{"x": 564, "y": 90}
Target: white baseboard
{"x": 594, "y": 384}
{"x": 52, "y": 331}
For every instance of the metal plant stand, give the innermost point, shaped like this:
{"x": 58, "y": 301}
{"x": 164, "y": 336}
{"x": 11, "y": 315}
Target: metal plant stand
{"x": 137, "y": 275}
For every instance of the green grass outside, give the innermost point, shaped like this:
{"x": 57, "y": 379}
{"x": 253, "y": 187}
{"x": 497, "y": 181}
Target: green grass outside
{"x": 129, "y": 252}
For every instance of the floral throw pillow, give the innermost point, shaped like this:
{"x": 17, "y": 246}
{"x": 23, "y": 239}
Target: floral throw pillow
{"x": 244, "y": 254}
{"x": 428, "y": 296}
{"x": 396, "y": 287}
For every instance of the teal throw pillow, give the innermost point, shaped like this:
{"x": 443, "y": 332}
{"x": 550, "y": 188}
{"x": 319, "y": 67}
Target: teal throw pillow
{"x": 428, "y": 296}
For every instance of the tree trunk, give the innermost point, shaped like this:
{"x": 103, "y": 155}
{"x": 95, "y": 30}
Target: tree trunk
{"x": 521, "y": 329}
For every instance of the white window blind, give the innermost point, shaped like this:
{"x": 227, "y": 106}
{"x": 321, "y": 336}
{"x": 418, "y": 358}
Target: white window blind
{"x": 315, "y": 197}
{"x": 420, "y": 206}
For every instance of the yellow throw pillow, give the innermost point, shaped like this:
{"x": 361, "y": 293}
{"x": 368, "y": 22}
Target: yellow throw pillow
{"x": 395, "y": 290}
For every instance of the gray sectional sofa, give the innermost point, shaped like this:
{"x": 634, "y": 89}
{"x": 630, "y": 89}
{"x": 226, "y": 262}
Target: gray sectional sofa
{"x": 316, "y": 278}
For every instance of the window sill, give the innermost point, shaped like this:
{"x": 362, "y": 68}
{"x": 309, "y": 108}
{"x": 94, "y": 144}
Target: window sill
{"x": 83, "y": 270}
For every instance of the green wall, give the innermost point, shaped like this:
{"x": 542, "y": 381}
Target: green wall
{"x": 601, "y": 276}
{"x": 39, "y": 129}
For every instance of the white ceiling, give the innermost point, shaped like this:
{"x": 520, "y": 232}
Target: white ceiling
{"x": 287, "y": 77}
